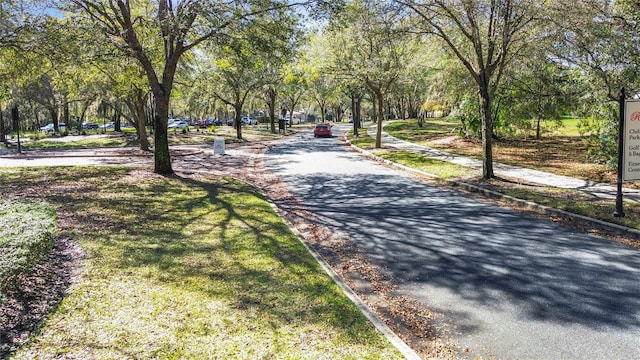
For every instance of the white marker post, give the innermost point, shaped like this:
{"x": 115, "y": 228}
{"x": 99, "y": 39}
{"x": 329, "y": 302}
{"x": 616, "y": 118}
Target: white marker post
{"x": 218, "y": 146}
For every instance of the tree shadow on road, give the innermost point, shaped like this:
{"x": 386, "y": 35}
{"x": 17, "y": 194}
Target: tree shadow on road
{"x": 490, "y": 256}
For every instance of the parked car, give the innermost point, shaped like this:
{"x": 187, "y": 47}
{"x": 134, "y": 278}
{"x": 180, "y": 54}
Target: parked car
{"x": 47, "y": 129}
{"x": 209, "y": 122}
{"x": 90, "y": 126}
{"x": 230, "y": 122}
{"x": 109, "y": 125}
{"x": 295, "y": 120}
{"x": 180, "y": 124}
{"x": 249, "y": 121}
{"x": 322, "y": 129}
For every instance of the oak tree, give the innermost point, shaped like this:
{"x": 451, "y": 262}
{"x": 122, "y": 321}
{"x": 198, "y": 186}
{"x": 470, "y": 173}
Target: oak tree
{"x": 485, "y": 35}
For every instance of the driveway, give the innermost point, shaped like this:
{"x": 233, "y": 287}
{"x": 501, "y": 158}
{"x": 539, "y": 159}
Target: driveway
{"x": 510, "y": 286}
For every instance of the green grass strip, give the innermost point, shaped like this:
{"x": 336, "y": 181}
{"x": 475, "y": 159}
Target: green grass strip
{"x": 439, "y": 168}
{"x": 27, "y": 234}
{"x": 189, "y": 269}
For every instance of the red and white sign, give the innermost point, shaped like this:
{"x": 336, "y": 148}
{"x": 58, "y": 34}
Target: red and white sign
{"x": 631, "y": 142}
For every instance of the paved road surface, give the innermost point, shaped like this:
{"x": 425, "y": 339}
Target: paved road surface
{"x": 514, "y": 287}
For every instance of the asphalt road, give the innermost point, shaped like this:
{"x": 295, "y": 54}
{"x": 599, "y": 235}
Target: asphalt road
{"x": 513, "y": 286}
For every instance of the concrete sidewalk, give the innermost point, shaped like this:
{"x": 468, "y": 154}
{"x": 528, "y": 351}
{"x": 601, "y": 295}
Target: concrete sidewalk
{"x": 600, "y": 190}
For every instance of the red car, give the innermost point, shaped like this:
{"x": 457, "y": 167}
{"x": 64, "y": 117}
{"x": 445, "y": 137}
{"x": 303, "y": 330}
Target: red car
{"x": 322, "y": 130}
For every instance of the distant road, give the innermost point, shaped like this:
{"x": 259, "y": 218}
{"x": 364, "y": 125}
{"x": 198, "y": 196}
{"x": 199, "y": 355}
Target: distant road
{"x": 513, "y": 286}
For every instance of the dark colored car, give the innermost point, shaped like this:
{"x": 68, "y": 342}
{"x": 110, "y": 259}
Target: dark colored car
{"x": 205, "y": 123}
{"x": 322, "y": 129}
{"x": 90, "y": 126}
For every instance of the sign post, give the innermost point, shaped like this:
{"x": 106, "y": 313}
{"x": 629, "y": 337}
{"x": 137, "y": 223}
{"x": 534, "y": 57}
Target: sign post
{"x": 628, "y": 146}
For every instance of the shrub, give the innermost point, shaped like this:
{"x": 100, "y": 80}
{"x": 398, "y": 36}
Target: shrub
{"x": 603, "y": 127}
{"x": 27, "y": 234}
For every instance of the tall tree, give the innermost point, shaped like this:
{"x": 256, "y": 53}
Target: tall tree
{"x": 236, "y": 75}
{"x": 600, "y": 37}
{"x": 377, "y": 49}
{"x": 16, "y": 25}
{"x": 314, "y": 72}
{"x": 252, "y": 59}
{"x": 484, "y": 35}
{"x": 179, "y": 26}
{"x": 279, "y": 52}
{"x": 293, "y": 88}
{"x": 537, "y": 91}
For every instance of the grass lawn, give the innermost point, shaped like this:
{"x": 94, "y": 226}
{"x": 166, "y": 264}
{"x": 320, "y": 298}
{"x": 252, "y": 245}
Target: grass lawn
{"x": 186, "y": 268}
{"x": 562, "y": 151}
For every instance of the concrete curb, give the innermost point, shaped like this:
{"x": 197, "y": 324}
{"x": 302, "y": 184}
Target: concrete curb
{"x": 542, "y": 209}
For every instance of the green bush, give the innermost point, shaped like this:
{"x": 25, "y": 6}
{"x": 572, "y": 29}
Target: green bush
{"x": 27, "y": 234}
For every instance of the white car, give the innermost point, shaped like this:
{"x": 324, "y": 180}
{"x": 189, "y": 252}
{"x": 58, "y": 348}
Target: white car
{"x": 295, "y": 120}
{"x": 249, "y": 121}
{"x": 178, "y": 124}
{"x": 50, "y": 129}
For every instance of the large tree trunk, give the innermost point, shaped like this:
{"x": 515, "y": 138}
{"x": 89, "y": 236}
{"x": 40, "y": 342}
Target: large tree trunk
{"x": 65, "y": 109}
{"x": 374, "y": 105}
{"x": 293, "y": 106}
{"x": 238, "y": 121}
{"x": 161, "y": 149}
{"x": 139, "y": 104}
{"x": 85, "y": 107}
{"x": 2, "y": 136}
{"x": 353, "y": 114}
{"x": 357, "y": 119}
{"x": 54, "y": 119}
{"x": 379, "y": 99}
{"x": 322, "y": 113}
{"x": 117, "y": 126}
{"x": 487, "y": 134}
{"x": 272, "y": 109}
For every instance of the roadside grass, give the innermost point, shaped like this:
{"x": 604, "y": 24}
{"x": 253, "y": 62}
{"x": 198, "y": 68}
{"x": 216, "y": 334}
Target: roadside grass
{"x": 562, "y": 152}
{"x": 363, "y": 141}
{"x": 27, "y": 233}
{"x": 570, "y": 126}
{"x": 88, "y": 142}
{"x": 186, "y": 268}
{"x": 571, "y": 201}
{"x": 563, "y": 199}
{"x": 439, "y": 168}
